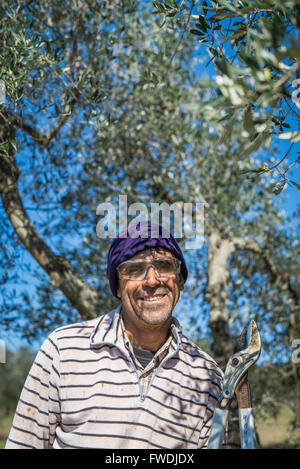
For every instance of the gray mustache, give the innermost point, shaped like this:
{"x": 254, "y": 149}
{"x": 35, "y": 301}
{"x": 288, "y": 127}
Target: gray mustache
{"x": 147, "y": 292}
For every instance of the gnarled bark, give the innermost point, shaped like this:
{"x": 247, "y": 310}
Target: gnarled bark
{"x": 83, "y": 297}
{"x": 220, "y": 250}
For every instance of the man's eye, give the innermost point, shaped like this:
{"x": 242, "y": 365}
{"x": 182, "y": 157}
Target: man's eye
{"x": 133, "y": 269}
{"x": 166, "y": 265}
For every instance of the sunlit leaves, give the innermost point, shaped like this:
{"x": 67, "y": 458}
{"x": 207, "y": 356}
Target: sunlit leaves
{"x": 292, "y": 136}
{"x": 145, "y": 124}
{"x": 168, "y": 7}
{"x": 255, "y": 49}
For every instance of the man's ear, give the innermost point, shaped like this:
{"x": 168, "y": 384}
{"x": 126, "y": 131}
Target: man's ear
{"x": 181, "y": 282}
{"x": 118, "y": 291}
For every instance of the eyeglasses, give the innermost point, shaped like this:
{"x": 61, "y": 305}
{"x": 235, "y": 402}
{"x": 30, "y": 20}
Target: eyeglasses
{"x": 137, "y": 269}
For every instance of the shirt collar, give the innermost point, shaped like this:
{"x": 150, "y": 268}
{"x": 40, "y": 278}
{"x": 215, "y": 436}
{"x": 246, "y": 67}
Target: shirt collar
{"x": 110, "y": 330}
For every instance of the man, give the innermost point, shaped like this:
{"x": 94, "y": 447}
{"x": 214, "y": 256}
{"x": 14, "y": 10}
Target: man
{"x": 129, "y": 379}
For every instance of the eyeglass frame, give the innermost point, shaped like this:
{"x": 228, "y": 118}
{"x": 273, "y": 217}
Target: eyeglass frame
{"x": 150, "y": 262}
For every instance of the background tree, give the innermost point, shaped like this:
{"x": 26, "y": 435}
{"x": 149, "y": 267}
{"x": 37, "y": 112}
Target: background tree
{"x": 254, "y": 46}
{"x": 101, "y": 103}
{"x": 12, "y": 378}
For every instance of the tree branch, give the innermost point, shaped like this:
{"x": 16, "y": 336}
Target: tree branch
{"x": 250, "y": 244}
{"x": 42, "y": 139}
{"x": 83, "y": 297}
{"x": 220, "y": 250}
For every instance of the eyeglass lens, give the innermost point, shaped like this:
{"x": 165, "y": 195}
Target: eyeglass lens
{"x": 137, "y": 270}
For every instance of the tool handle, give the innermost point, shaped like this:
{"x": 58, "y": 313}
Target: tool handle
{"x": 243, "y": 393}
{"x": 247, "y": 430}
{"x": 246, "y": 419}
{"x": 218, "y": 428}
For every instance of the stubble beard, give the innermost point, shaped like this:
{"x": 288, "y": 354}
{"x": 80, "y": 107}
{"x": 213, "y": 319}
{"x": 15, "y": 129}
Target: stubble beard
{"x": 154, "y": 315}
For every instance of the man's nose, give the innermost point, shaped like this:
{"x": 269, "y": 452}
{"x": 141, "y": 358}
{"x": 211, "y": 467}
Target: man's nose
{"x": 151, "y": 278}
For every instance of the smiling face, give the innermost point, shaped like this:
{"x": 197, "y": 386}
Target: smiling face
{"x": 148, "y": 303}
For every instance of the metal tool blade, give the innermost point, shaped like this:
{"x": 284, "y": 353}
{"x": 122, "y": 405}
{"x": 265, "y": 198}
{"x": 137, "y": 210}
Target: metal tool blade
{"x": 218, "y": 428}
{"x": 247, "y": 352}
{"x": 247, "y": 430}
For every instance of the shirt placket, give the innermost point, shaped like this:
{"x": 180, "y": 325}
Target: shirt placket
{"x": 146, "y": 374}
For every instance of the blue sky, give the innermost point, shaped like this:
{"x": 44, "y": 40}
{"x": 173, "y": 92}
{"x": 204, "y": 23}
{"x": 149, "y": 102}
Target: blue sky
{"x": 287, "y": 201}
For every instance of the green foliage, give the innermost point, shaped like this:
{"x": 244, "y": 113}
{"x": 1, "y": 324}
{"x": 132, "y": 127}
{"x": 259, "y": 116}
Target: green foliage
{"x": 143, "y": 122}
{"x": 254, "y": 46}
{"x": 272, "y": 388}
{"x": 22, "y": 53}
{"x": 12, "y": 378}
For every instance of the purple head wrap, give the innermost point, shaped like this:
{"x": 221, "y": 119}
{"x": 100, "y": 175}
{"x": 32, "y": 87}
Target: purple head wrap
{"x": 143, "y": 235}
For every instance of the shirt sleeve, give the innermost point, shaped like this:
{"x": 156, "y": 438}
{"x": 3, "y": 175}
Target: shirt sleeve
{"x": 38, "y": 411}
{"x": 213, "y": 396}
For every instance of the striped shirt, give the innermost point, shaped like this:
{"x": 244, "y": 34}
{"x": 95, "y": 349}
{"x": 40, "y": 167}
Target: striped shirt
{"x": 86, "y": 390}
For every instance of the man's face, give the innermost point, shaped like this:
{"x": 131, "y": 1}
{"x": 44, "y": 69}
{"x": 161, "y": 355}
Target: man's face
{"x": 150, "y": 301}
